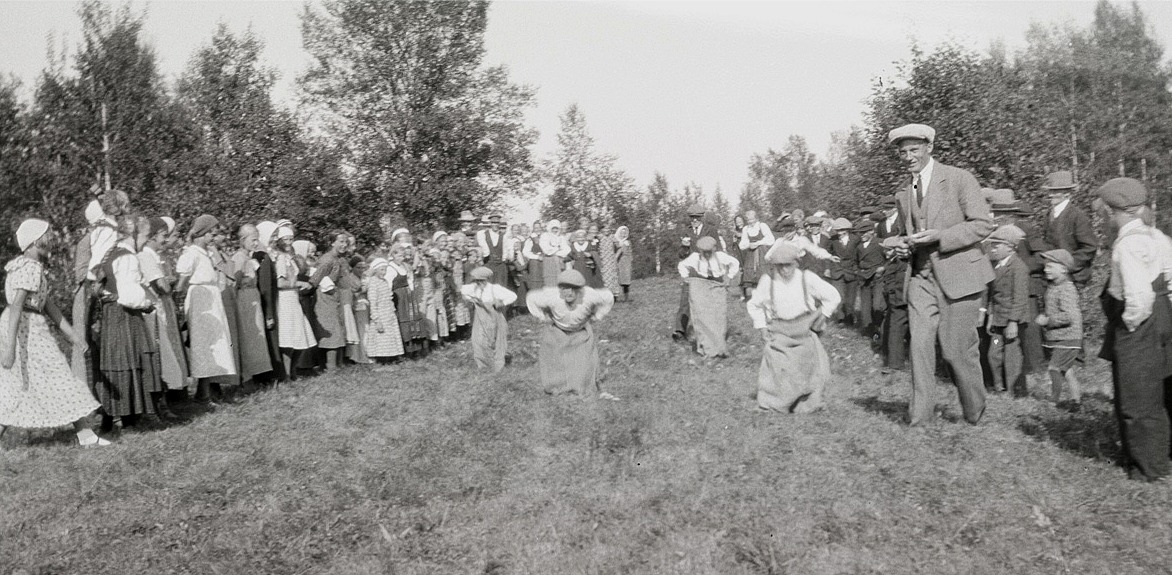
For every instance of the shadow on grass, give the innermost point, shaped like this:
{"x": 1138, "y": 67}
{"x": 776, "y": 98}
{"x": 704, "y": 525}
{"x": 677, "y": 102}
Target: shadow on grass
{"x": 894, "y": 410}
{"x": 1092, "y": 431}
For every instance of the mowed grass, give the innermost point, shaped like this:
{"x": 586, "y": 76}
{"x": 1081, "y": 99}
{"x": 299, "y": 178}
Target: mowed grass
{"x": 432, "y": 467}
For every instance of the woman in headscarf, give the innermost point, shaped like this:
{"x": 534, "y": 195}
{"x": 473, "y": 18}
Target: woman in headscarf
{"x": 305, "y": 253}
{"x": 788, "y": 307}
{"x": 608, "y": 262}
{"x": 218, "y": 248}
{"x": 163, "y": 321}
{"x": 754, "y": 240}
{"x": 400, "y": 275}
{"x": 266, "y": 285}
{"x": 37, "y": 386}
{"x": 531, "y": 251}
{"x": 346, "y": 294}
{"x": 623, "y": 255}
{"x": 294, "y": 332}
{"x": 461, "y": 312}
{"x": 327, "y": 307}
{"x": 210, "y": 341}
{"x": 252, "y": 345}
{"x": 585, "y": 260}
{"x": 431, "y": 275}
{"x": 554, "y": 250}
{"x": 381, "y": 340}
{"x": 357, "y": 283}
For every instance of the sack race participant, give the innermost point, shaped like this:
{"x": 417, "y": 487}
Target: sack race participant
{"x": 708, "y": 273}
{"x": 568, "y": 355}
{"x": 789, "y": 307}
{"x": 490, "y": 328}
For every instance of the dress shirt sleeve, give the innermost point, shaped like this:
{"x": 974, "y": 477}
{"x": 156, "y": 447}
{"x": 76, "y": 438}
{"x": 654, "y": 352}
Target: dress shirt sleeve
{"x": 468, "y": 290}
{"x": 527, "y": 250}
{"x": 731, "y": 265}
{"x": 538, "y": 303}
{"x": 186, "y": 264}
{"x": 822, "y": 292}
{"x": 689, "y": 266}
{"x": 128, "y": 279}
{"x": 482, "y": 241}
{"x": 809, "y": 247}
{"x": 149, "y": 264}
{"x": 768, "y": 233}
{"x": 760, "y": 304}
{"x": 600, "y": 301}
{"x": 744, "y": 243}
{"x": 1132, "y": 258}
{"x": 503, "y": 296}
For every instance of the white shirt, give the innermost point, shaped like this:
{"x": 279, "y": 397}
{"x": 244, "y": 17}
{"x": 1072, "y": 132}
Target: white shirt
{"x": 752, "y": 230}
{"x": 196, "y": 262}
{"x": 1140, "y": 254}
{"x": 894, "y": 217}
{"x": 547, "y": 305}
{"x": 925, "y": 177}
{"x": 784, "y": 299}
{"x": 128, "y": 279}
{"x": 719, "y": 266}
{"x": 553, "y": 245}
{"x": 102, "y": 238}
{"x": 482, "y": 238}
{"x": 1057, "y": 210}
{"x": 490, "y": 295}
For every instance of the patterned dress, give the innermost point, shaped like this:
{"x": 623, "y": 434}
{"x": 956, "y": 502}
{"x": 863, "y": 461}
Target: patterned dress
{"x": 40, "y": 389}
{"x": 293, "y": 328}
{"x": 412, "y": 324}
{"x": 609, "y": 262}
{"x": 388, "y": 342}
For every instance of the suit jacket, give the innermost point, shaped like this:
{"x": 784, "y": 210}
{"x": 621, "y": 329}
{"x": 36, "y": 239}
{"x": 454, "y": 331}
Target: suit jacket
{"x": 883, "y": 233}
{"x": 1030, "y": 250}
{"x": 845, "y": 269}
{"x": 868, "y": 259}
{"x": 954, "y": 206}
{"x": 809, "y": 262}
{"x": 1072, "y": 231}
{"x": 705, "y": 230}
{"x": 1009, "y": 297}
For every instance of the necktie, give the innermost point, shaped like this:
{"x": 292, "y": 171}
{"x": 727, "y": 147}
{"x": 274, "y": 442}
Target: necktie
{"x": 919, "y": 191}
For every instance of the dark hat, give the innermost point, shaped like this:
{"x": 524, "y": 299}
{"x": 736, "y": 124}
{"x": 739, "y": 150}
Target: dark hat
{"x": 695, "y": 210}
{"x": 706, "y": 243}
{"x": 1011, "y": 235}
{"x": 786, "y": 223}
{"x": 572, "y": 278}
{"x": 1060, "y": 256}
{"x": 863, "y": 226}
{"x": 1058, "y": 181}
{"x": 1123, "y": 193}
{"x": 888, "y": 202}
{"x": 911, "y": 131}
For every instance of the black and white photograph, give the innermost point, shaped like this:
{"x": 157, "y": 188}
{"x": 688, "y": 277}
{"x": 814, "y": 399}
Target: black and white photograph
{"x": 585, "y": 287}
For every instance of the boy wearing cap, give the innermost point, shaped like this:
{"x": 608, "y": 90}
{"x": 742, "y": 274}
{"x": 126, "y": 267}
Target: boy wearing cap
{"x": 1008, "y": 309}
{"x": 1062, "y": 324}
{"x": 707, "y": 273}
{"x": 490, "y": 328}
{"x": 1137, "y": 337}
{"x": 869, "y": 260}
{"x": 842, "y": 275}
{"x": 697, "y": 228}
{"x": 568, "y": 350}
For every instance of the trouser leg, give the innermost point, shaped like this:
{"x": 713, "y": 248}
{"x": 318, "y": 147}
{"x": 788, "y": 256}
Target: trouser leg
{"x": 960, "y": 345}
{"x": 923, "y": 320}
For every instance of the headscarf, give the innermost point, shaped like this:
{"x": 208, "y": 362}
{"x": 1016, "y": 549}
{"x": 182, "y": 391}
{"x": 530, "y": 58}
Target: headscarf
{"x": 622, "y": 234}
{"x": 399, "y": 232}
{"x": 375, "y": 265}
{"x": 30, "y": 231}
{"x": 157, "y": 225}
{"x": 202, "y": 225}
{"x": 286, "y": 223}
{"x": 284, "y": 232}
{"x": 94, "y": 213}
{"x": 170, "y": 223}
{"x": 436, "y": 236}
{"x": 264, "y": 232}
{"x": 301, "y": 247}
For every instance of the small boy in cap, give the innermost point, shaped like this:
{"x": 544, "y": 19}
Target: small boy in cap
{"x": 1062, "y": 323}
{"x": 869, "y": 260}
{"x": 1008, "y": 308}
{"x": 490, "y": 327}
{"x": 843, "y": 275}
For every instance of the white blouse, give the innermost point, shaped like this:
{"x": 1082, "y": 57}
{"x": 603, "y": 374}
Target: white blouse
{"x": 128, "y": 280}
{"x": 490, "y": 295}
{"x": 197, "y": 263}
{"x": 547, "y": 305}
{"x": 784, "y": 299}
{"x": 720, "y": 265}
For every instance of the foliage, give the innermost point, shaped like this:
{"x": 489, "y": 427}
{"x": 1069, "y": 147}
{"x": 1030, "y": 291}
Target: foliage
{"x": 585, "y": 182}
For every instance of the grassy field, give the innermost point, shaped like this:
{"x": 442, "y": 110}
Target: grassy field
{"x": 431, "y": 467}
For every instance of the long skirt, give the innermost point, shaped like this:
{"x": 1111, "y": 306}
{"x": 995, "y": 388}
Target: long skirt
{"x": 569, "y": 361}
{"x": 39, "y": 390}
{"x": 535, "y": 275}
{"x": 209, "y": 332}
{"x": 794, "y": 369}
{"x": 751, "y": 266}
{"x": 357, "y": 351}
{"x": 434, "y": 310}
{"x": 81, "y": 358}
{"x": 293, "y": 329}
{"x": 129, "y": 361}
{"x": 490, "y": 338}
{"x": 251, "y": 343}
{"x": 708, "y": 305}
{"x": 163, "y": 326}
{"x": 328, "y": 310}
{"x": 412, "y": 324}
{"x": 551, "y": 267}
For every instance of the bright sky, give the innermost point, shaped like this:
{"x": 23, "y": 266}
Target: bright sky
{"x": 689, "y": 89}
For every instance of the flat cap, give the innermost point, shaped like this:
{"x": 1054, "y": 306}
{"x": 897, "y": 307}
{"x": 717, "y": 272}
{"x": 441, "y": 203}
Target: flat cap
{"x": 911, "y": 131}
{"x": 1123, "y": 193}
{"x": 1060, "y": 256}
{"x": 842, "y": 224}
{"x": 706, "y": 243}
{"x": 1007, "y": 234}
{"x": 695, "y": 210}
{"x": 482, "y": 273}
{"x": 783, "y": 253}
{"x": 863, "y": 226}
{"x": 572, "y": 278}
{"x": 786, "y": 223}
{"x": 813, "y": 221}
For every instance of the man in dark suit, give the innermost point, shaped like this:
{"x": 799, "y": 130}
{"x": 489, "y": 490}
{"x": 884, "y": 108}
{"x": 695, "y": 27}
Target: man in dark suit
{"x": 869, "y": 260}
{"x": 841, "y": 274}
{"x": 887, "y": 221}
{"x": 1068, "y": 227}
{"x": 946, "y": 216}
{"x": 696, "y": 229}
{"x": 812, "y": 229}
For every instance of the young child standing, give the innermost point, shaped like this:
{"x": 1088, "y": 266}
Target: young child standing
{"x": 490, "y": 328}
{"x": 1062, "y": 323}
{"x": 1007, "y": 309}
